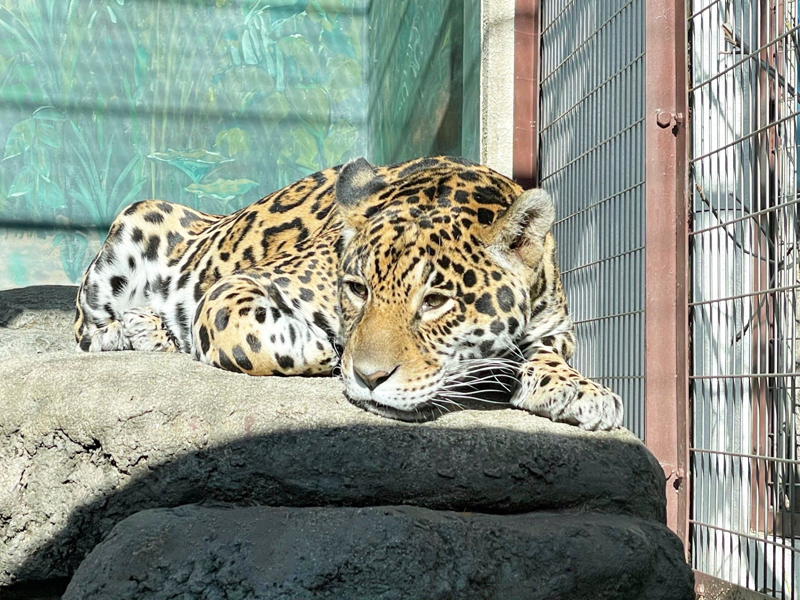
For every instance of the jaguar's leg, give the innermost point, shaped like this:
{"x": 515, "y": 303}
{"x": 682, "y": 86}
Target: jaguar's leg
{"x": 139, "y": 329}
{"x": 549, "y": 387}
{"x": 136, "y": 262}
{"x": 249, "y": 326}
{"x": 103, "y": 339}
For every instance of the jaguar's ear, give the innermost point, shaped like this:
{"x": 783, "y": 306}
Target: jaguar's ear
{"x": 524, "y": 226}
{"x": 357, "y": 182}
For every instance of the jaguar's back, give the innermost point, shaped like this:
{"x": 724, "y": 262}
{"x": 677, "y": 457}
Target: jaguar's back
{"x": 166, "y": 256}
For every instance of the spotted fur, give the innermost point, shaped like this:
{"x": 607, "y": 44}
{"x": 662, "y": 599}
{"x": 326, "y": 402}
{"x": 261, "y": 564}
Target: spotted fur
{"x": 427, "y": 284}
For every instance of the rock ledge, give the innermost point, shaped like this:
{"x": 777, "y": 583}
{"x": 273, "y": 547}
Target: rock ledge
{"x": 87, "y": 441}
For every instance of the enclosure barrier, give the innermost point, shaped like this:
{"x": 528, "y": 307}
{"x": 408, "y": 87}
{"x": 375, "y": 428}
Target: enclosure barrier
{"x": 667, "y": 133}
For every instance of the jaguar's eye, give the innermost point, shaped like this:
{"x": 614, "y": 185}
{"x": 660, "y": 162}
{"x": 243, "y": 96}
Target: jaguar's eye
{"x": 358, "y": 289}
{"x": 433, "y": 301}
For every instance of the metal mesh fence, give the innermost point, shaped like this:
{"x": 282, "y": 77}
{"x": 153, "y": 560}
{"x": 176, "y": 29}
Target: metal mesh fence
{"x": 592, "y": 162}
{"x": 745, "y": 520}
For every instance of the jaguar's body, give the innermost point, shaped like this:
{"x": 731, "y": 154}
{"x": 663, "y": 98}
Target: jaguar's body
{"x": 411, "y": 279}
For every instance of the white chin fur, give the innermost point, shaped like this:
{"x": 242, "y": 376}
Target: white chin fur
{"x": 388, "y": 398}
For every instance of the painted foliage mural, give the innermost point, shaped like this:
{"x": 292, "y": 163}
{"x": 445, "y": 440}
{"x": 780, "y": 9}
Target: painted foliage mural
{"x": 210, "y": 103}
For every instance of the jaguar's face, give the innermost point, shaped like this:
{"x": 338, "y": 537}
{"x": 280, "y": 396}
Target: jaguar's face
{"x": 432, "y": 299}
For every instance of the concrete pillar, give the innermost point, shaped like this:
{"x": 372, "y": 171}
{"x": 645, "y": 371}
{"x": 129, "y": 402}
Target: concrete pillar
{"x": 497, "y": 84}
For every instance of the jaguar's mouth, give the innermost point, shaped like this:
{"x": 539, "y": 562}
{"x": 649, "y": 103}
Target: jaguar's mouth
{"x": 460, "y": 395}
{"x": 424, "y": 411}
{"x": 476, "y": 384}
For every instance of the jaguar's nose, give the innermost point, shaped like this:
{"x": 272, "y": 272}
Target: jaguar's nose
{"x": 374, "y": 379}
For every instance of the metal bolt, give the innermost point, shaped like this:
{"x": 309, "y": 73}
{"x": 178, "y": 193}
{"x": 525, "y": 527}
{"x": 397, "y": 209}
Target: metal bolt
{"x": 664, "y": 119}
{"x": 679, "y": 475}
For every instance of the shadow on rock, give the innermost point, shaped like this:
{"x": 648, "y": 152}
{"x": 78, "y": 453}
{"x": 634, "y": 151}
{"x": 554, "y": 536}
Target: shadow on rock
{"x": 487, "y": 470}
{"x": 24, "y": 306}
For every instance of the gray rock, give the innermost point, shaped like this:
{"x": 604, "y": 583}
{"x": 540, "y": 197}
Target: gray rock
{"x": 89, "y": 439}
{"x": 388, "y": 553}
{"x": 32, "y": 341}
{"x": 36, "y": 320}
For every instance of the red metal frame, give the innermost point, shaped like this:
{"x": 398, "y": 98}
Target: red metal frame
{"x": 526, "y": 91}
{"x": 666, "y": 243}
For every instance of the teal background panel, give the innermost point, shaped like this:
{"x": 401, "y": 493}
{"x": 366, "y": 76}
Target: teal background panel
{"x": 212, "y": 104}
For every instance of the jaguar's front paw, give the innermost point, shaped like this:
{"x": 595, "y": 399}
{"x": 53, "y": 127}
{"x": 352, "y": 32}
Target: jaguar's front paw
{"x": 564, "y": 396}
{"x": 146, "y": 331}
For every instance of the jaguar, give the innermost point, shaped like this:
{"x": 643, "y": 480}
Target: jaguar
{"x": 416, "y": 282}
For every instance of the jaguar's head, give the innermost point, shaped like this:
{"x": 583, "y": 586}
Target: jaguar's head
{"x": 438, "y": 264}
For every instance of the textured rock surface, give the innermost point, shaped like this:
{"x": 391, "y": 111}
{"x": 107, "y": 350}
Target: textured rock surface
{"x": 87, "y": 440}
{"x": 49, "y": 307}
{"x": 385, "y": 552}
{"x": 35, "y": 320}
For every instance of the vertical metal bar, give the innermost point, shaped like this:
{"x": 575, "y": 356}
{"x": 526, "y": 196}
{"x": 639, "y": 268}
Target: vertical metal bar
{"x": 666, "y": 339}
{"x": 526, "y": 92}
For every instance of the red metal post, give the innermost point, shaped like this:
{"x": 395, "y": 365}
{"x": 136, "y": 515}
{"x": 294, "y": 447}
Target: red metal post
{"x": 666, "y": 266}
{"x": 526, "y": 91}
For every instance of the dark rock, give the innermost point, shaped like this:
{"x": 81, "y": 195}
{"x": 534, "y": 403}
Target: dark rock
{"x": 385, "y": 552}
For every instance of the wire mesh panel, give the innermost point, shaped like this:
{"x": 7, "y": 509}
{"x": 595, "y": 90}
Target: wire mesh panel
{"x": 745, "y": 522}
{"x": 592, "y": 162}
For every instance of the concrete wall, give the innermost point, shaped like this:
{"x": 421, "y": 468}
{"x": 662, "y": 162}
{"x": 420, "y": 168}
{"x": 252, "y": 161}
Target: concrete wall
{"x": 497, "y": 84}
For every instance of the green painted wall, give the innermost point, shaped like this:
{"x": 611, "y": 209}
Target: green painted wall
{"x": 210, "y": 103}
